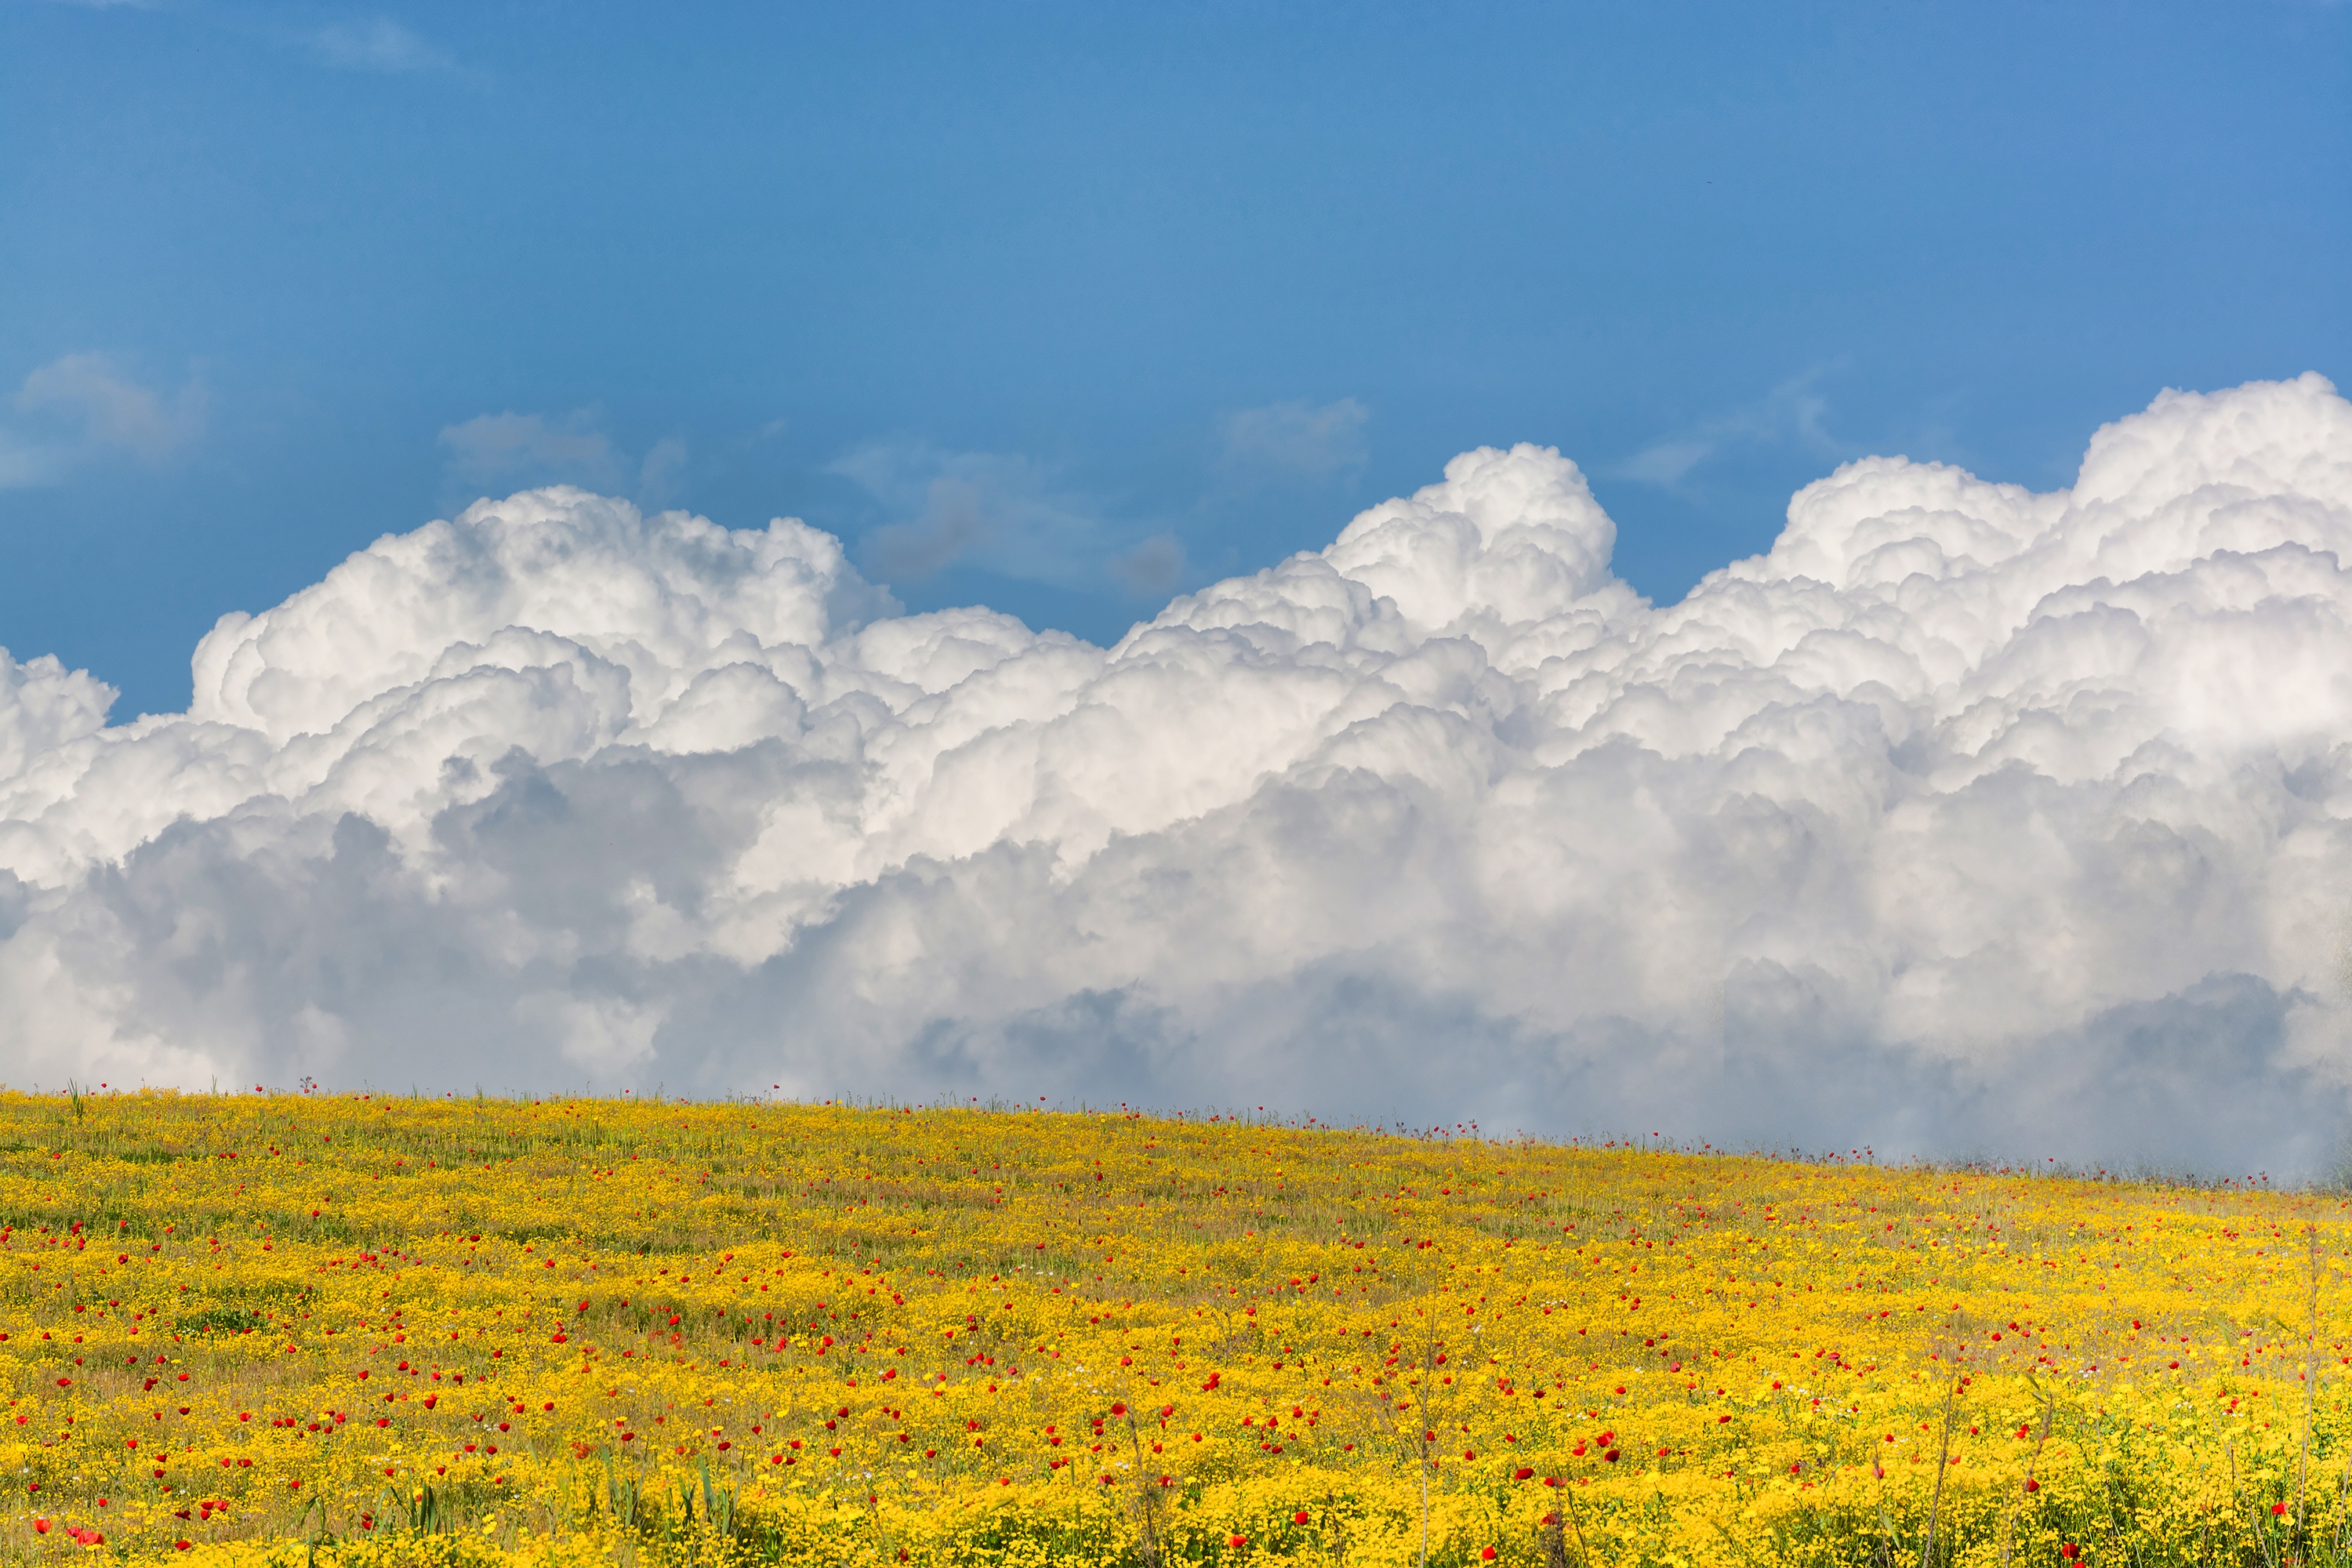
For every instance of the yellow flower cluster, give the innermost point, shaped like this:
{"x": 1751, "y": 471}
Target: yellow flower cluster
{"x": 367, "y": 1330}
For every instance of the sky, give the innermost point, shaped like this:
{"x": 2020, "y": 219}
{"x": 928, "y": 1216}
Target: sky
{"x": 1780, "y": 577}
{"x": 1058, "y": 310}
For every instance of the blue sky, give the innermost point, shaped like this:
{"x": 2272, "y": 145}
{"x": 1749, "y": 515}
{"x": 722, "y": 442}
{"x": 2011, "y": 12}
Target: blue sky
{"x": 1058, "y": 309}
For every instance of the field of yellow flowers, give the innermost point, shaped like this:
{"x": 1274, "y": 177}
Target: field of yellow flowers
{"x": 360, "y": 1330}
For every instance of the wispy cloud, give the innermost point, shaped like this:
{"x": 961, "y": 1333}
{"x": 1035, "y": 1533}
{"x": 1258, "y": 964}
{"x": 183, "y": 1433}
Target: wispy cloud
{"x": 23, "y": 464}
{"x": 497, "y": 448}
{"x": 1153, "y": 569}
{"x": 358, "y": 42}
{"x": 84, "y": 406}
{"x": 510, "y": 449}
{"x": 113, "y": 409}
{"x": 376, "y": 44}
{"x": 1793, "y": 414}
{"x": 661, "y": 477}
{"x": 950, "y": 525}
{"x": 1296, "y": 439}
{"x": 1667, "y": 462}
{"x": 1016, "y": 515}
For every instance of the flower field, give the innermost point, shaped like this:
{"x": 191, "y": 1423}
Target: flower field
{"x": 366, "y": 1330}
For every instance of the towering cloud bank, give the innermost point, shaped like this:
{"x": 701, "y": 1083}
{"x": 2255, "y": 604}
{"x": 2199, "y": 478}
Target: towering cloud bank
{"x": 1966, "y": 819}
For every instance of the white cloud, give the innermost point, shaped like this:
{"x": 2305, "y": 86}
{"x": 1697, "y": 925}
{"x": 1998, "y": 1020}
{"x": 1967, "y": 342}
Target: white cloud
{"x": 376, "y": 44}
{"x": 1966, "y": 819}
{"x": 104, "y": 409}
{"x": 45, "y": 706}
{"x": 1296, "y": 439}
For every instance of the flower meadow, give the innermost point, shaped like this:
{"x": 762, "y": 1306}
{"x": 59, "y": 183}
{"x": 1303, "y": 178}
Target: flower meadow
{"x": 361, "y": 1329}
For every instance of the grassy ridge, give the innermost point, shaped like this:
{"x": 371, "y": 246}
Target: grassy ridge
{"x": 369, "y": 1329}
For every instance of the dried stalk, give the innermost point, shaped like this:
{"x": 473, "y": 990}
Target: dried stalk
{"x": 1148, "y": 1501}
{"x": 1943, "y": 1458}
{"x": 2310, "y": 1387}
{"x": 2009, "y": 1526}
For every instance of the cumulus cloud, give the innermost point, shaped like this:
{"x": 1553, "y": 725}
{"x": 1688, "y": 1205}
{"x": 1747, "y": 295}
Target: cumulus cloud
{"x": 44, "y": 705}
{"x": 1966, "y": 818}
{"x": 1296, "y": 439}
